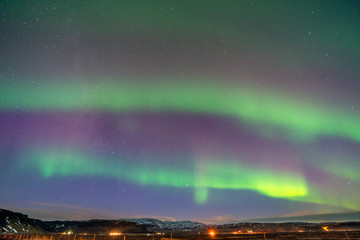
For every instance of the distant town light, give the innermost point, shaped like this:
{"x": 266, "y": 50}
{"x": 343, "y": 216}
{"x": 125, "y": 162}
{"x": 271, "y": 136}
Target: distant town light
{"x": 115, "y": 234}
{"x": 326, "y": 228}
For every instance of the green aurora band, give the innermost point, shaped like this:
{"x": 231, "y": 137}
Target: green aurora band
{"x": 206, "y": 175}
{"x": 202, "y": 177}
{"x": 300, "y": 119}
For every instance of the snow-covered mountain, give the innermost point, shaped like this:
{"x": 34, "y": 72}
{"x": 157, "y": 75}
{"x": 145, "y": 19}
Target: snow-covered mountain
{"x": 155, "y": 224}
{"x": 12, "y": 222}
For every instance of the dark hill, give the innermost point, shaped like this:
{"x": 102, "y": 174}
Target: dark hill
{"x": 20, "y": 223}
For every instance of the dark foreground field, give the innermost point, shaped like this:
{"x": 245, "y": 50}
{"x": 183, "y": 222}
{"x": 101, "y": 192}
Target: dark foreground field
{"x": 349, "y": 235}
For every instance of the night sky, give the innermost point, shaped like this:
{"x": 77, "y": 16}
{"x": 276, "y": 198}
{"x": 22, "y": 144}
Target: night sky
{"x": 214, "y": 111}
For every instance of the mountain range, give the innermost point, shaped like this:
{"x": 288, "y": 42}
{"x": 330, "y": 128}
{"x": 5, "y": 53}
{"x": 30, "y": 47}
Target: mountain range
{"x": 13, "y": 222}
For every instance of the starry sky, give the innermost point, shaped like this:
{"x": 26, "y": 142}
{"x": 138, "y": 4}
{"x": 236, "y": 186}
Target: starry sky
{"x": 214, "y": 111}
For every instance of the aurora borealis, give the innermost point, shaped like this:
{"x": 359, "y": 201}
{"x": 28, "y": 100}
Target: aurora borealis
{"x": 214, "y": 111}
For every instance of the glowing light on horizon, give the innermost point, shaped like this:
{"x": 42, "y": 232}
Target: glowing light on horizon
{"x": 325, "y": 228}
{"x": 212, "y": 233}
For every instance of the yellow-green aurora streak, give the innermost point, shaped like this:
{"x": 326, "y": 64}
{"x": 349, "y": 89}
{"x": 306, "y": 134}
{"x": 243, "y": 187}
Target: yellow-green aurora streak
{"x": 207, "y": 175}
{"x": 301, "y": 120}
{"x": 204, "y": 175}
